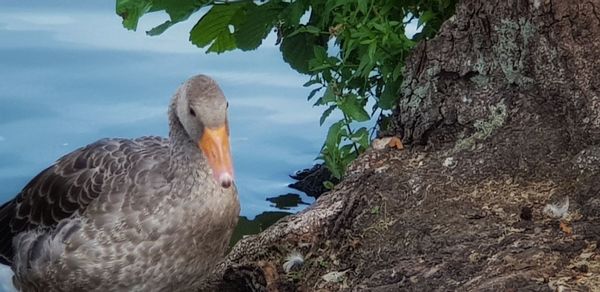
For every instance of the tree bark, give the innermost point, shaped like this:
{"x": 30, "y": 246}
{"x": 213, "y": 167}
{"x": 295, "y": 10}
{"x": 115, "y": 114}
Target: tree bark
{"x": 502, "y": 115}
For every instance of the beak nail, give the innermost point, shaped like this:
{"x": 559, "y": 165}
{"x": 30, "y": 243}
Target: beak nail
{"x": 226, "y": 180}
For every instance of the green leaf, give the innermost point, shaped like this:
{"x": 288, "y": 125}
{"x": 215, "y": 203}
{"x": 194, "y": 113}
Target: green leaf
{"x": 313, "y": 92}
{"x": 334, "y": 135}
{"x": 293, "y": 13}
{"x": 320, "y": 60}
{"x": 178, "y": 11}
{"x": 333, "y": 161}
{"x": 160, "y": 28}
{"x": 352, "y": 107}
{"x": 319, "y": 102}
{"x": 333, "y": 167}
{"x": 329, "y": 95}
{"x": 297, "y": 50}
{"x": 361, "y": 136}
{"x": 347, "y": 155}
{"x": 362, "y": 6}
{"x": 312, "y": 81}
{"x": 397, "y": 71}
{"x": 346, "y": 150}
{"x": 320, "y": 54}
{"x": 389, "y": 96}
{"x": 367, "y": 41}
{"x": 365, "y": 66}
{"x": 380, "y": 27}
{"x": 258, "y": 23}
{"x": 213, "y": 27}
{"x": 131, "y": 11}
{"x": 333, "y": 61}
{"x": 326, "y": 114}
{"x": 425, "y": 17}
{"x": 372, "y": 50}
{"x": 223, "y": 42}
{"x": 315, "y": 66}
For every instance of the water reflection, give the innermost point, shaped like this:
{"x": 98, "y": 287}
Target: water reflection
{"x": 264, "y": 220}
{"x": 287, "y": 201}
{"x": 259, "y": 223}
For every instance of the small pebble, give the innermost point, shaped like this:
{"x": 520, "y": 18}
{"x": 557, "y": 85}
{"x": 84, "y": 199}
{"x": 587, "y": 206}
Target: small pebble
{"x": 449, "y": 162}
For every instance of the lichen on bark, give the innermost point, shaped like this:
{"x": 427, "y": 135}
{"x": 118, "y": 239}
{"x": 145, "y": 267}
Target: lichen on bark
{"x": 509, "y": 55}
{"x": 484, "y": 128}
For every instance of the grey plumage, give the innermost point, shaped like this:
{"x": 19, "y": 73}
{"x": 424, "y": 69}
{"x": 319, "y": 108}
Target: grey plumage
{"x": 126, "y": 215}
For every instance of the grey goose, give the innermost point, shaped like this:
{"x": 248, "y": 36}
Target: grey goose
{"x": 147, "y": 214}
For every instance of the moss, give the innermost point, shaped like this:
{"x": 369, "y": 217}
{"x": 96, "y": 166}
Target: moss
{"x": 484, "y": 128}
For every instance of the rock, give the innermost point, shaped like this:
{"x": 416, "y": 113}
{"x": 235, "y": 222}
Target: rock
{"x": 310, "y": 181}
{"x": 334, "y": 277}
{"x": 387, "y": 142}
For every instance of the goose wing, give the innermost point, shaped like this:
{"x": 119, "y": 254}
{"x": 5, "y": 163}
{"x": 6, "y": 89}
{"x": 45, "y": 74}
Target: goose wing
{"x": 69, "y": 186}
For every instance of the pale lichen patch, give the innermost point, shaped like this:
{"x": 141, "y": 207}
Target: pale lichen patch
{"x": 514, "y": 39}
{"x": 484, "y": 128}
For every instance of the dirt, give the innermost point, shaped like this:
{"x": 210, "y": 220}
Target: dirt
{"x": 413, "y": 224}
{"x": 501, "y": 118}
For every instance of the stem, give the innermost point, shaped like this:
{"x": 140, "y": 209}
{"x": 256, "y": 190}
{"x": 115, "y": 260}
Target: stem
{"x": 347, "y": 122}
{"x": 375, "y": 126}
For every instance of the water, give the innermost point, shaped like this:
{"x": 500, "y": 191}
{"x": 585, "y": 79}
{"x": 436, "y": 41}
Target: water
{"x": 70, "y": 74}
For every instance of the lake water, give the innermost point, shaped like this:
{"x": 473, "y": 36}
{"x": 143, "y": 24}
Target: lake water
{"x": 70, "y": 74}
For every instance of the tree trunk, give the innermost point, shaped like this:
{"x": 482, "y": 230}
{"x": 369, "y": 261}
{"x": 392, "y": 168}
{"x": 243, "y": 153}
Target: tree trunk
{"x": 502, "y": 114}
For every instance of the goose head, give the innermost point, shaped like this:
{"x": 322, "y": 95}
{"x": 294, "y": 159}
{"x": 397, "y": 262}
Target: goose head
{"x": 201, "y": 109}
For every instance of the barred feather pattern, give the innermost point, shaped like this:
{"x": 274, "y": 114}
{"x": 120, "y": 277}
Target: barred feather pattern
{"x": 122, "y": 215}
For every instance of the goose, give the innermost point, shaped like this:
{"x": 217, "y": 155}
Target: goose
{"x": 147, "y": 214}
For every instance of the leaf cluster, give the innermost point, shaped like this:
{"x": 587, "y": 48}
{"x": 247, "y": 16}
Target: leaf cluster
{"x": 353, "y": 50}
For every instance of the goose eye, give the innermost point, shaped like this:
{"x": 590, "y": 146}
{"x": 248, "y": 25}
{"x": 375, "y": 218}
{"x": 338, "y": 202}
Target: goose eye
{"x": 227, "y": 105}
{"x": 192, "y": 112}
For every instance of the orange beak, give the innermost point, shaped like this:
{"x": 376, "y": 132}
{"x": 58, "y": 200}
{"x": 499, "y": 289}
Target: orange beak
{"x": 214, "y": 143}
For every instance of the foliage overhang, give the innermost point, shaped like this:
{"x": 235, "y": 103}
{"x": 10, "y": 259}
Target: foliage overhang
{"x": 369, "y": 36}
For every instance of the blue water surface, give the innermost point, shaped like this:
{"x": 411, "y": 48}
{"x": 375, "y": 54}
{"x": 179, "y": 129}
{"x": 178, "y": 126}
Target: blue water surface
{"x": 70, "y": 75}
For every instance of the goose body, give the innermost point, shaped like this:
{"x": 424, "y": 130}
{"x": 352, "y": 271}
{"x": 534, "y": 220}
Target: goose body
{"x": 148, "y": 214}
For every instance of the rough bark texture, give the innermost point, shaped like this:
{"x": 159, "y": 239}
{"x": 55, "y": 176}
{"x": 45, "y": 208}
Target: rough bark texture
{"x": 502, "y": 112}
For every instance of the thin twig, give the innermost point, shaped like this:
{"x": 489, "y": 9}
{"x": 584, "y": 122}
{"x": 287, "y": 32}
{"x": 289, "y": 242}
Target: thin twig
{"x": 347, "y": 122}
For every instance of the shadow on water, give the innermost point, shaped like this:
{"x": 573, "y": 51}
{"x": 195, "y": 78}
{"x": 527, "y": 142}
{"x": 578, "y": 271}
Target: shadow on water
{"x": 310, "y": 181}
{"x": 265, "y": 219}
